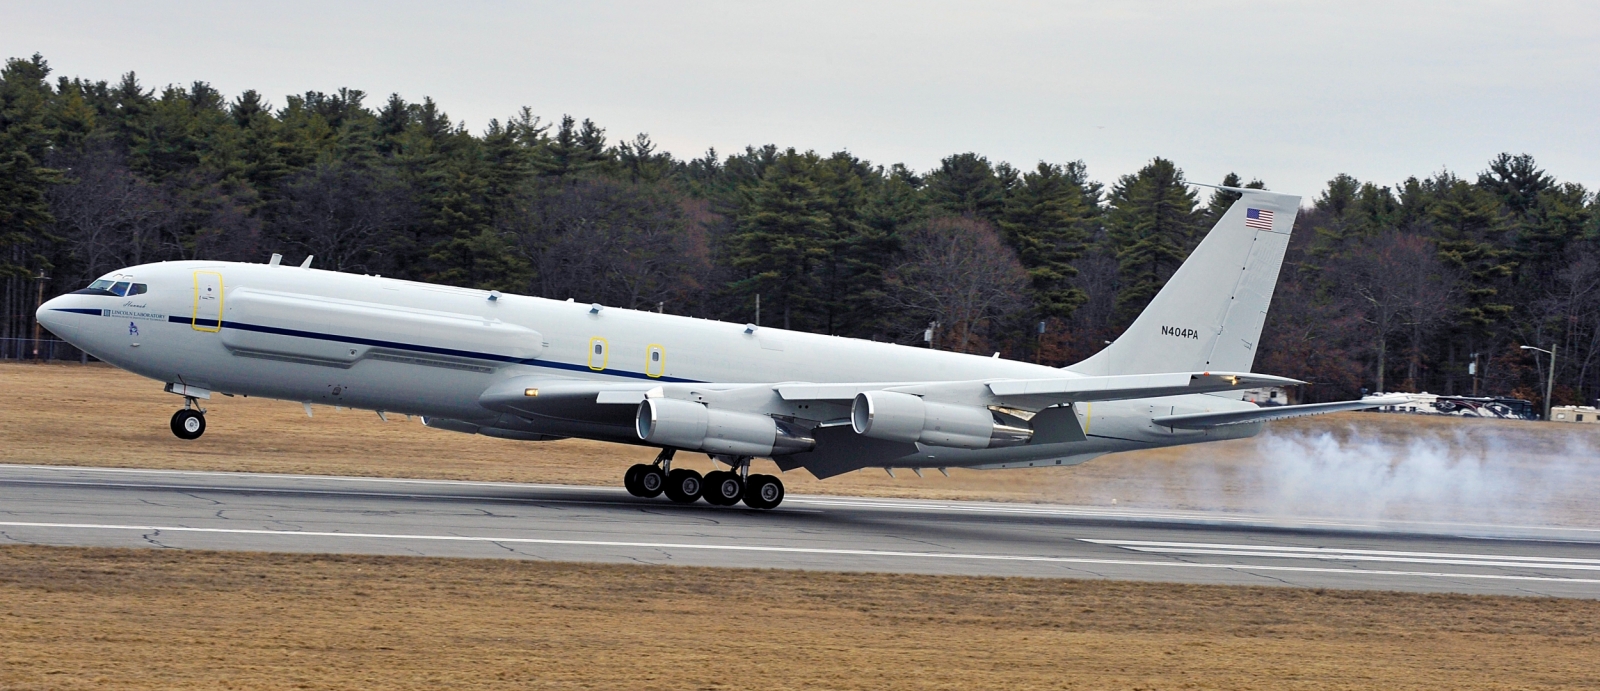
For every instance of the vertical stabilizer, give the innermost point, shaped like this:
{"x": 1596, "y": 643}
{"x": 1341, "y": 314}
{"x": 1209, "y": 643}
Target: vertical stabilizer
{"x": 1208, "y": 316}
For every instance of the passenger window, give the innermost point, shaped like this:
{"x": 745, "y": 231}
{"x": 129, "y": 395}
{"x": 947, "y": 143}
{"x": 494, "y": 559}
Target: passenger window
{"x": 655, "y": 363}
{"x": 597, "y": 353}
{"x": 121, "y": 288}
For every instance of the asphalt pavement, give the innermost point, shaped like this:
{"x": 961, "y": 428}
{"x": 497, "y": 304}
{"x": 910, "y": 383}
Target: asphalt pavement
{"x": 291, "y": 513}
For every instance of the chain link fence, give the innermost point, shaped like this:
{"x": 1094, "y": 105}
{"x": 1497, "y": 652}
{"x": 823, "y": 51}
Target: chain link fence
{"x": 44, "y": 349}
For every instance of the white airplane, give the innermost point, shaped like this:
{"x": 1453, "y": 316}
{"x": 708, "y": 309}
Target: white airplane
{"x": 534, "y": 369}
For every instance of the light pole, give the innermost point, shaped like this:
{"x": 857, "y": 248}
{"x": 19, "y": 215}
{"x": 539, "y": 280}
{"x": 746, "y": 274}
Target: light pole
{"x": 1551, "y": 381}
{"x": 39, "y": 303}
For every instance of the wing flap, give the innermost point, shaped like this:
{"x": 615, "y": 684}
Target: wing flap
{"x": 1240, "y": 417}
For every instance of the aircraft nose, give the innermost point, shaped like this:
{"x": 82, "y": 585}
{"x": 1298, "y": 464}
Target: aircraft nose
{"x": 50, "y": 315}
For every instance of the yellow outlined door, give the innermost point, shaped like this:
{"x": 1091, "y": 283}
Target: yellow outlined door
{"x": 207, "y": 301}
{"x": 599, "y": 351}
{"x": 655, "y": 361}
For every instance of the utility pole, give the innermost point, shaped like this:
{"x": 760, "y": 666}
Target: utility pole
{"x": 1550, "y": 382}
{"x": 758, "y": 309}
{"x": 40, "y": 279}
{"x": 1038, "y": 351}
{"x": 1472, "y": 369}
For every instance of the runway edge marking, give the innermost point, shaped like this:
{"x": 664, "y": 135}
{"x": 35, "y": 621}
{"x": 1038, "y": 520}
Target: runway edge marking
{"x": 799, "y": 550}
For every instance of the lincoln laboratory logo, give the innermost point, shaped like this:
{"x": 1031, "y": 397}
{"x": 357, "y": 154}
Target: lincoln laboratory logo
{"x": 1180, "y": 333}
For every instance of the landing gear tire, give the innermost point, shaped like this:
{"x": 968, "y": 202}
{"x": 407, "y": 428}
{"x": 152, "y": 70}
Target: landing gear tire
{"x": 684, "y": 485}
{"x": 763, "y": 492}
{"x": 651, "y": 482}
{"x": 630, "y": 479}
{"x": 188, "y": 424}
{"x": 723, "y": 488}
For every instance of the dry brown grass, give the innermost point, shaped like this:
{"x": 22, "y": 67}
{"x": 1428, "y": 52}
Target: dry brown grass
{"x": 146, "y": 619}
{"x": 101, "y": 416}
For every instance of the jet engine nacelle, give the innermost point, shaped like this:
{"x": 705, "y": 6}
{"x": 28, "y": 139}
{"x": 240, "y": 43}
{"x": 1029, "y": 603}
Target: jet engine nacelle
{"x": 680, "y": 424}
{"x": 907, "y": 418}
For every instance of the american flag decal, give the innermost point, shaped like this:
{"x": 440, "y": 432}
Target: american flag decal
{"x": 1260, "y": 219}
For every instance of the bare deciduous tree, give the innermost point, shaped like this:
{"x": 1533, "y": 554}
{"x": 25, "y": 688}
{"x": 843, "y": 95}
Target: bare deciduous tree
{"x": 956, "y": 271}
{"x": 109, "y": 215}
{"x": 1400, "y": 284}
{"x": 342, "y": 213}
{"x": 617, "y": 243}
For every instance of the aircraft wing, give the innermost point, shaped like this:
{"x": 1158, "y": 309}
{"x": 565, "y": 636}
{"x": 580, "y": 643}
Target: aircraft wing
{"x": 1239, "y": 417}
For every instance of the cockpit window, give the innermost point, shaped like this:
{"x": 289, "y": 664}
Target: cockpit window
{"x": 111, "y": 286}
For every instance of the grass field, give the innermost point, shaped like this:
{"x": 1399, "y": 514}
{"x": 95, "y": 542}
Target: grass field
{"x": 1356, "y": 464}
{"x": 149, "y": 619}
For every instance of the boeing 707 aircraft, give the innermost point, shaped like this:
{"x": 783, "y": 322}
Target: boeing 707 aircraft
{"x": 535, "y": 369}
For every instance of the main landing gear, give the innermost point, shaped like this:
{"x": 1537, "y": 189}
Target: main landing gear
{"x": 190, "y": 422}
{"x": 718, "y": 487}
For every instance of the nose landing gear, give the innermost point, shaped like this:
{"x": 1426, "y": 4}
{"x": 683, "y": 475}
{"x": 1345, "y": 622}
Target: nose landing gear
{"x": 718, "y": 487}
{"x": 190, "y": 422}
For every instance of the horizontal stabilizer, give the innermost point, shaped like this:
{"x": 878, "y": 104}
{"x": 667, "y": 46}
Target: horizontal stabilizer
{"x": 1037, "y": 394}
{"x": 1282, "y": 412}
{"x": 1125, "y": 386}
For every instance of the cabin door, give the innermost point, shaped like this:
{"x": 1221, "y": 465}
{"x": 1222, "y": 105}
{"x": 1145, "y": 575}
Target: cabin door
{"x": 207, "y": 301}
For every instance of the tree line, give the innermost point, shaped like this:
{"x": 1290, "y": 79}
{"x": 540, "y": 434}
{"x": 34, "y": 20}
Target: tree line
{"x": 1385, "y": 287}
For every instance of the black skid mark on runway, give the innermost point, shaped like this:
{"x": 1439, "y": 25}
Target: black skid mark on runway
{"x": 907, "y": 538}
{"x": 1266, "y": 576}
{"x": 8, "y": 536}
{"x": 671, "y": 514}
{"x": 150, "y": 537}
{"x": 518, "y": 552}
{"x": 196, "y": 496}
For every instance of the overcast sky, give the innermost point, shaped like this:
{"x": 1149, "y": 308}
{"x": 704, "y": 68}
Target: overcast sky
{"x": 1290, "y": 92}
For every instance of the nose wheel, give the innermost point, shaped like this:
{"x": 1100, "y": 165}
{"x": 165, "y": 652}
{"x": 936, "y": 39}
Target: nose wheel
{"x": 189, "y": 423}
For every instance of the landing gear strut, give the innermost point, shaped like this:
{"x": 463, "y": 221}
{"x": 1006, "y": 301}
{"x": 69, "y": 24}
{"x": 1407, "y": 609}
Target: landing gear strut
{"x": 718, "y": 487}
{"x": 190, "y": 422}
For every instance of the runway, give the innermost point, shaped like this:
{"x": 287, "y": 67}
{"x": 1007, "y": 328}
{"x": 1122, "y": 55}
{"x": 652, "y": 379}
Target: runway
{"x": 288, "y": 513}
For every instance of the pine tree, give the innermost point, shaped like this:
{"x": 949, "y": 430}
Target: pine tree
{"x": 966, "y": 185}
{"x": 25, "y": 217}
{"x": 576, "y": 149}
{"x": 1047, "y": 221}
{"x": 1151, "y": 225}
{"x": 1467, "y": 224}
{"x": 780, "y": 236}
{"x": 1517, "y": 181}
